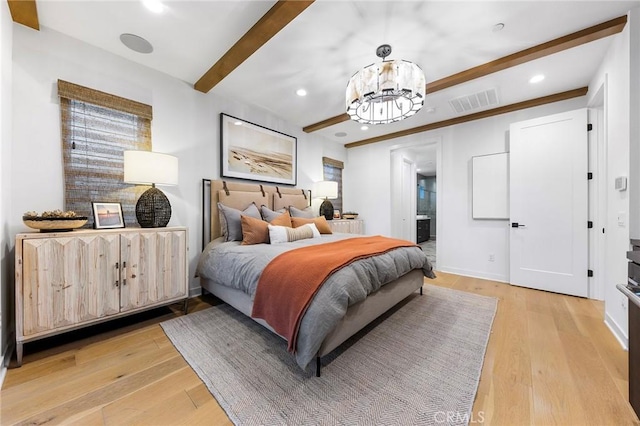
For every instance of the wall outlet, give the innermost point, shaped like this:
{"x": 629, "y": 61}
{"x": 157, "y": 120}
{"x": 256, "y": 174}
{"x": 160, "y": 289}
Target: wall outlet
{"x": 492, "y": 257}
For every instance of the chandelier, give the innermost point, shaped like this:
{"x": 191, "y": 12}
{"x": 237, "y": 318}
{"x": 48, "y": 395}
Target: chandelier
{"x": 385, "y": 92}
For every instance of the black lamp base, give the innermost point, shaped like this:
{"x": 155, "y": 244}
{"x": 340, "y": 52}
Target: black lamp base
{"x": 153, "y": 209}
{"x": 326, "y": 210}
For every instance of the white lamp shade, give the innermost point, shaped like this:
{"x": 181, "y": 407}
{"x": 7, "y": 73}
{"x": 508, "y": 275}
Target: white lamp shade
{"x": 326, "y": 189}
{"x": 147, "y": 167}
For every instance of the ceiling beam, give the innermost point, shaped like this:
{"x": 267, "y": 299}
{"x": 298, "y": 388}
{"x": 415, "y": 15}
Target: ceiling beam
{"x": 562, "y": 96}
{"x": 326, "y": 123}
{"x": 24, "y": 12}
{"x": 281, "y": 14}
{"x": 578, "y": 38}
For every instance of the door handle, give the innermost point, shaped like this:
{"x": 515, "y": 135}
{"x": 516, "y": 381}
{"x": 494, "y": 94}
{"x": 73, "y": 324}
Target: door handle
{"x": 517, "y": 225}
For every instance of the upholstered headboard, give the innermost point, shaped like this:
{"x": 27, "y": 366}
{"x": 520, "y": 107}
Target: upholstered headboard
{"x": 239, "y": 195}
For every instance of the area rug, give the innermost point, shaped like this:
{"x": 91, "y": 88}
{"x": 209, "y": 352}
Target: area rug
{"x": 419, "y": 365}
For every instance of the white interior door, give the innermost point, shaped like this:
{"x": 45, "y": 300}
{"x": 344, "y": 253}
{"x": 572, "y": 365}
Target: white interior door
{"x": 549, "y": 203}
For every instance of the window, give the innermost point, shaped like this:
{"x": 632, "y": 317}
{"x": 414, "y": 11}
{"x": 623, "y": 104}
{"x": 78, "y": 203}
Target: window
{"x": 332, "y": 170}
{"x": 96, "y": 128}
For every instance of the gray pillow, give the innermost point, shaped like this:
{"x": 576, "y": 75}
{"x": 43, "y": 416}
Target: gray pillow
{"x": 268, "y": 214}
{"x": 307, "y": 213}
{"x": 231, "y": 223}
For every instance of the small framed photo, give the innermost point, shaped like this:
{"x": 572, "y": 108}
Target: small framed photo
{"x": 336, "y": 214}
{"x": 107, "y": 215}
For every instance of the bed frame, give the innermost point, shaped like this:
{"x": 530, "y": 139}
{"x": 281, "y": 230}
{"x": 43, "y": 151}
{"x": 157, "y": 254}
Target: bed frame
{"x": 239, "y": 196}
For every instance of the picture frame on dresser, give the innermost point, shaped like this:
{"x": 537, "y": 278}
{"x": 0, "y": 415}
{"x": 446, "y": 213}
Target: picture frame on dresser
{"x": 253, "y": 152}
{"x": 107, "y": 215}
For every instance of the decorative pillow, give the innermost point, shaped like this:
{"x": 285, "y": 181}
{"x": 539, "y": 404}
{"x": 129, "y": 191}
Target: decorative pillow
{"x": 268, "y": 214}
{"x": 295, "y": 212}
{"x": 282, "y": 220}
{"x": 282, "y": 234}
{"x": 256, "y": 231}
{"x": 320, "y": 222}
{"x": 230, "y": 220}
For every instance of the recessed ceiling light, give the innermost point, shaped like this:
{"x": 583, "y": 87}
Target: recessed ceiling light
{"x": 301, "y": 92}
{"x": 136, "y": 43}
{"x": 417, "y": 170}
{"x": 341, "y": 134}
{"x": 536, "y": 78}
{"x": 431, "y": 110}
{"x": 155, "y": 6}
{"x": 237, "y": 123}
{"x": 498, "y": 27}
{"x": 364, "y": 128}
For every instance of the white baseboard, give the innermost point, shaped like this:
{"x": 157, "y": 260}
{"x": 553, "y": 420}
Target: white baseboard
{"x": 3, "y": 373}
{"x": 473, "y": 274}
{"x": 617, "y": 331}
{"x": 6, "y": 359}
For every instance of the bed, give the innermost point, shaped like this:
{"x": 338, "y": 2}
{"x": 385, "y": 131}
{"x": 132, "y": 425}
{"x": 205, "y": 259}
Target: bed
{"x": 348, "y": 300}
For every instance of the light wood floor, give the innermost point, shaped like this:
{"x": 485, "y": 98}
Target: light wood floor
{"x": 550, "y": 360}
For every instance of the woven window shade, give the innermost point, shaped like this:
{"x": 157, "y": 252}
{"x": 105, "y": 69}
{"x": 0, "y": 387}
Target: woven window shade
{"x": 332, "y": 162}
{"x": 80, "y": 93}
{"x": 332, "y": 170}
{"x": 94, "y": 137}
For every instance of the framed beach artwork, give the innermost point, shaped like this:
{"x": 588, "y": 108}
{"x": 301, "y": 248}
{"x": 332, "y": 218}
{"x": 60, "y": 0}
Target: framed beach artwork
{"x": 107, "y": 215}
{"x": 250, "y": 151}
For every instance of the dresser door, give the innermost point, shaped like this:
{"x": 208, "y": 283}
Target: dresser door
{"x": 68, "y": 280}
{"x": 154, "y": 268}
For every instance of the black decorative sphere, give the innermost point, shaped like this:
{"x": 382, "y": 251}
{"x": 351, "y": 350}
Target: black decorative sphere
{"x": 153, "y": 209}
{"x": 326, "y": 210}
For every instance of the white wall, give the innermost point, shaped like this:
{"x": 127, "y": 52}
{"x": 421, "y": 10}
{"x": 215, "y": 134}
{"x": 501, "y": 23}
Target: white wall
{"x": 615, "y": 72}
{"x": 634, "y": 124}
{"x": 464, "y": 244}
{"x": 6, "y": 259}
{"x": 185, "y": 123}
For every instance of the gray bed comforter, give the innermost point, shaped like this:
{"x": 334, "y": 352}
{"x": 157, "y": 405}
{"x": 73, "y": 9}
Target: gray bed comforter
{"x": 240, "y": 266}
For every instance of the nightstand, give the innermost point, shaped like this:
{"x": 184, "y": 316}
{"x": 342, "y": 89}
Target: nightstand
{"x": 347, "y": 226}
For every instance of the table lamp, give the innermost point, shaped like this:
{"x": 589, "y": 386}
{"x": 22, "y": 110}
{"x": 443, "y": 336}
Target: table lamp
{"x": 328, "y": 190}
{"x": 153, "y": 209}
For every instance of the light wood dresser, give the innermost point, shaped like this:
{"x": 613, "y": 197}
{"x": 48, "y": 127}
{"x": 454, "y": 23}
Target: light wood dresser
{"x": 347, "y": 226}
{"x": 69, "y": 280}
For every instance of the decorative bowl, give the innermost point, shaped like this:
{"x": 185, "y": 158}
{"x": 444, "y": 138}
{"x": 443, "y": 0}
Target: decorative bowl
{"x": 54, "y": 224}
{"x": 350, "y": 216}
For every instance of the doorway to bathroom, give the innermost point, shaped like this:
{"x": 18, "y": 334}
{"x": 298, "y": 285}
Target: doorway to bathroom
{"x": 414, "y": 199}
{"x": 426, "y": 206}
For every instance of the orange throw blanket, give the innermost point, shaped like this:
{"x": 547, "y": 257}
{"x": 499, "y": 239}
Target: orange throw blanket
{"x": 289, "y": 282}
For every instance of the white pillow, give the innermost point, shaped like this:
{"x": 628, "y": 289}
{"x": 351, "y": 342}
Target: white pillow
{"x": 284, "y": 234}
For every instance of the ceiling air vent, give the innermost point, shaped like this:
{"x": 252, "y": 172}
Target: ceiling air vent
{"x": 474, "y": 101}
